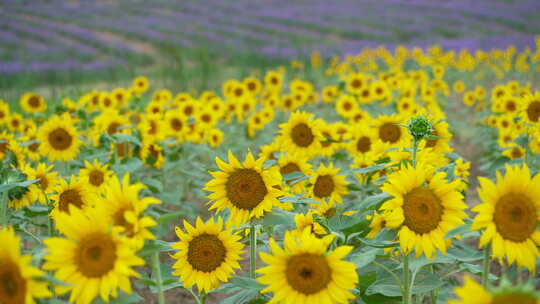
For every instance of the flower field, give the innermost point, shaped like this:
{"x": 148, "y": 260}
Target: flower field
{"x": 319, "y": 154}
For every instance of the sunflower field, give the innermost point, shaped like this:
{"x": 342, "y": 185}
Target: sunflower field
{"x": 405, "y": 173}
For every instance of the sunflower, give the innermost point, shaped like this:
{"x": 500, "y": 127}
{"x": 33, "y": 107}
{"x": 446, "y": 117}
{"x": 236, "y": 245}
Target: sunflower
{"x": 123, "y": 207}
{"x": 355, "y": 83}
{"x": 328, "y": 184}
{"x": 269, "y": 152}
{"x": 300, "y": 134}
{"x": 289, "y": 163}
{"x": 140, "y": 84}
{"x": 33, "y": 103}
{"x": 59, "y": 139}
{"x": 19, "y": 279}
{"x": 378, "y": 222}
{"x": 152, "y": 127}
{"x": 346, "y": 106}
{"x": 253, "y": 85}
{"x": 7, "y": 143}
{"x": 530, "y": 111}
{"x": 47, "y": 179}
{"x": 246, "y": 189}
{"x": 92, "y": 259}
{"x": 330, "y": 93}
{"x": 390, "y": 132}
{"x": 15, "y": 122}
{"x": 441, "y": 143}
{"x": 75, "y": 194}
{"x": 207, "y": 254}
{"x": 96, "y": 175}
{"x": 176, "y": 125}
{"x": 4, "y": 112}
{"x": 364, "y": 141}
{"x": 329, "y": 142}
{"x": 305, "y": 272}
{"x": 214, "y": 137}
{"x": 424, "y": 208}
{"x": 511, "y": 105}
{"x": 473, "y": 293}
{"x": 514, "y": 152}
{"x": 107, "y": 102}
{"x": 306, "y": 221}
{"x": 509, "y": 213}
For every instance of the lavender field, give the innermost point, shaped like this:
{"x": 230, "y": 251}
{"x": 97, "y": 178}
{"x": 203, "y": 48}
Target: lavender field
{"x": 123, "y": 38}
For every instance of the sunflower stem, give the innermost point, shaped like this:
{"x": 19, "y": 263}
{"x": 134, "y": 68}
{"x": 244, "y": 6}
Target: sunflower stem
{"x": 4, "y": 209}
{"x": 435, "y": 292}
{"x": 396, "y": 278}
{"x": 406, "y": 280}
{"x": 414, "y": 151}
{"x": 50, "y": 230}
{"x": 253, "y": 249}
{"x": 159, "y": 281}
{"x": 485, "y": 266}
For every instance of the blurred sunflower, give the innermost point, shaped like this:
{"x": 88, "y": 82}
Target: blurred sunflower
{"x": 305, "y": 272}
{"x": 214, "y": 137}
{"x": 530, "y": 111}
{"x": 300, "y": 134}
{"x": 289, "y": 163}
{"x": 207, "y": 254}
{"x": 390, "y": 132}
{"x": 328, "y": 184}
{"x": 20, "y": 282}
{"x": 47, "y": 180}
{"x": 75, "y": 194}
{"x": 96, "y": 175}
{"x": 140, "y": 84}
{"x": 246, "y": 189}
{"x": 92, "y": 259}
{"x": 473, "y": 293}
{"x": 33, "y": 103}
{"x": 59, "y": 139}
{"x": 4, "y": 112}
{"x": 509, "y": 213}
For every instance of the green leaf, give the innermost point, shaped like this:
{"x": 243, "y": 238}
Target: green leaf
{"x": 417, "y": 264}
{"x": 170, "y": 216}
{"x": 374, "y": 200}
{"x": 361, "y": 259}
{"x": 476, "y": 269}
{"x": 241, "y": 297}
{"x": 376, "y": 243}
{"x": 156, "y": 245}
{"x": 127, "y": 299}
{"x": 426, "y": 282}
{"x": 340, "y": 222}
{"x": 464, "y": 253}
{"x": 386, "y": 285}
{"x": 52, "y": 280}
{"x": 7, "y": 187}
{"x": 370, "y": 169}
{"x": 458, "y": 231}
{"x": 36, "y": 210}
{"x": 127, "y": 138}
{"x": 279, "y": 217}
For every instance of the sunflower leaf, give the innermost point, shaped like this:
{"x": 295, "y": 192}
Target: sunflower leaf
{"x": 379, "y": 243}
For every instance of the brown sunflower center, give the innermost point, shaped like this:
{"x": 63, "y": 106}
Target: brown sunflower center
{"x": 113, "y": 128}
{"x": 389, "y": 132}
{"x": 34, "y": 102}
{"x": 206, "y": 118}
{"x": 514, "y": 298}
{"x": 422, "y": 210}
{"x": 33, "y": 147}
{"x": 430, "y": 143}
{"x": 70, "y": 197}
{"x": 515, "y": 217}
{"x": 511, "y": 106}
{"x": 251, "y": 86}
{"x": 96, "y": 178}
{"x": 363, "y": 144}
{"x": 289, "y": 168}
{"x": 119, "y": 219}
{"x": 188, "y": 110}
{"x": 96, "y": 255}
{"x": 43, "y": 181}
{"x": 308, "y": 273}
{"x": 347, "y": 106}
{"x": 533, "y": 111}
{"x": 206, "y": 252}
{"x": 356, "y": 83}
{"x": 176, "y": 124}
{"x": 12, "y": 284}
{"x": 245, "y": 188}
{"x": 324, "y": 186}
{"x": 302, "y": 135}
{"x": 4, "y": 145}
{"x": 330, "y": 213}
{"x": 516, "y": 153}
{"x": 60, "y": 139}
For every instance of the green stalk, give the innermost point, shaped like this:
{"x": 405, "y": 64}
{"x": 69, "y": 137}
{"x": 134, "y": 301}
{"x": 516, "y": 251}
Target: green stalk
{"x": 485, "y": 266}
{"x": 200, "y": 299}
{"x": 50, "y": 230}
{"x": 253, "y": 249}
{"x": 414, "y": 151}
{"x": 396, "y": 278}
{"x": 435, "y": 292}
{"x": 159, "y": 281}
{"x": 406, "y": 280}
{"x": 4, "y": 209}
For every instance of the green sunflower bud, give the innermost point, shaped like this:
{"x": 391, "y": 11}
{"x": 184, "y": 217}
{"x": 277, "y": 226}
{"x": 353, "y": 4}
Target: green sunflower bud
{"x": 420, "y": 127}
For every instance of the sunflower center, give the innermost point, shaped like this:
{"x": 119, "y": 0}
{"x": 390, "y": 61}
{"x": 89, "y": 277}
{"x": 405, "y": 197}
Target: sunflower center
{"x": 43, "y": 181}
{"x": 245, "y": 189}
{"x": 330, "y": 213}
{"x": 12, "y": 284}
{"x": 119, "y": 219}
{"x": 33, "y": 147}
{"x": 70, "y": 197}
{"x": 206, "y": 118}
{"x": 363, "y": 144}
{"x": 60, "y": 139}
{"x": 113, "y": 128}
{"x": 96, "y": 255}
{"x": 176, "y": 124}
{"x": 430, "y": 143}
{"x": 188, "y": 110}
{"x": 513, "y": 298}
{"x": 511, "y": 106}
{"x": 516, "y": 153}
{"x": 390, "y": 132}
{"x": 289, "y": 168}
{"x": 302, "y": 135}
{"x": 356, "y": 83}
{"x": 422, "y": 210}
{"x": 34, "y": 102}
{"x": 206, "y": 252}
{"x": 96, "y": 178}
{"x": 324, "y": 186}
{"x": 515, "y": 217}
{"x": 533, "y": 111}
{"x": 308, "y": 273}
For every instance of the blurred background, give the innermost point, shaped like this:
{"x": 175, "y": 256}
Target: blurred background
{"x": 56, "y": 46}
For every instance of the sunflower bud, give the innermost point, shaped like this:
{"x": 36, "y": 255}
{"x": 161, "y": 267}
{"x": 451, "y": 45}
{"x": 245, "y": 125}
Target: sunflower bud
{"x": 420, "y": 127}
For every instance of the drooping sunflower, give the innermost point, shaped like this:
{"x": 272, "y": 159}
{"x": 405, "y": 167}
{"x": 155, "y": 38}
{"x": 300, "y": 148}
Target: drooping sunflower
{"x": 19, "y": 279}
{"x": 305, "y": 272}
{"x": 509, "y": 213}
{"x": 289, "y": 163}
{"x": 123, "y": 207}
{"x": 424, "y": 208}
{"x": 95, "y": 174}
{"x": 75, "y": 194}
{"x": 300, "y": 134}
{"x": 59, "y": 139}
{"x": 327, "y": 184}
{"x": 207, "y": 254}
{"x": 246, "y": 189}
{"x": 33, "y": 103}
{"x": 92, "y": 259}
{"x": 473, "y": 293}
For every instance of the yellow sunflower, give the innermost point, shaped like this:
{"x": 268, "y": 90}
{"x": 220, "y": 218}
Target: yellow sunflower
{"x": 390, "y": 132}
{"x": 4, "y": 112}
{"x": 355, "y": 83}
{"x": 442, "y": 143}
{"x": 289, "y": 163}
{"x": 364, "y": 141}
{"x": 424, "y": 208}
{"x": 346, "y": 106}
{"x": 75, "y": 194}
{"x": 246, "y": 189}
{"x": 47, "y": 179}
{"x": 509, "y": 213}
{"x": 123, "y": 207}
{"x": 214, "y": 137}
{"x": 473, "y": 293}
{"x": 530, "y": 111}
{"x": 207, "y": 254}
{"x": 7, "y": 143}
{"x": 300, "y": 134}
{"x": 33, "y": 103}
{"x": 59, "y": 139}
{"x": 327, "y": 184}
{"x": 15, "y": 122}
{"x": 306, "y": 221}
{"x": 273, "y": 81}
{"x": 140, "y": 84}
{"x": 96, "y": 175}
{"x": 19, "y": 279}
{"x": 305, "y": 272}
{"x": 92, "y": 259}
{"x": 152, "y": 154}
